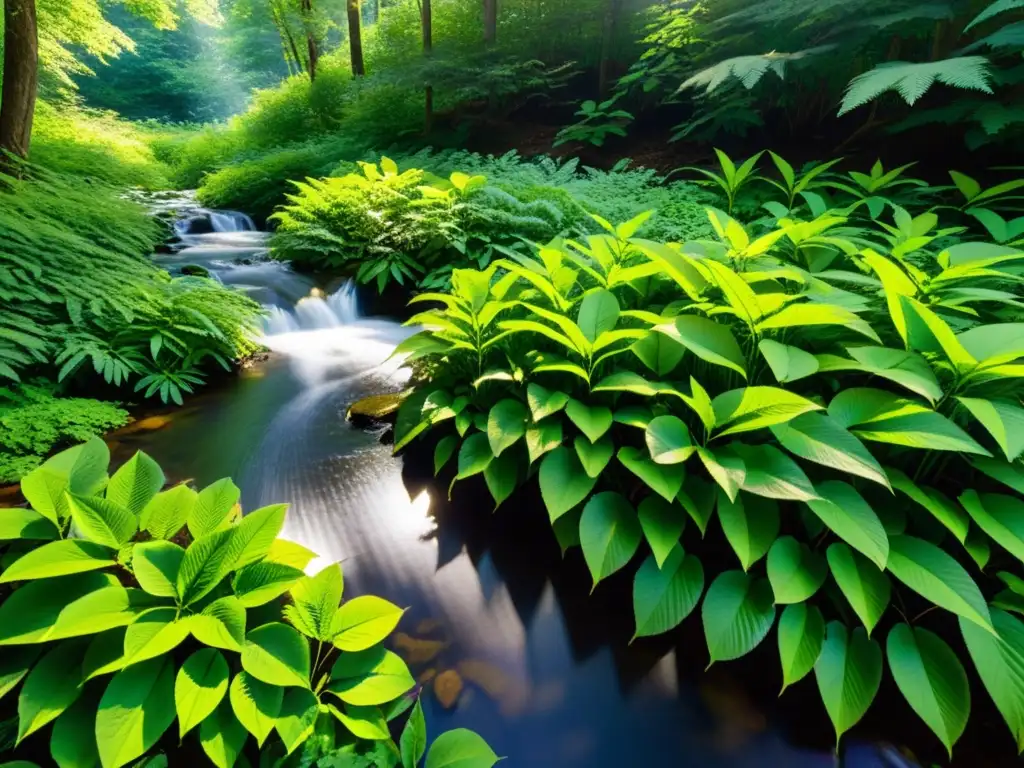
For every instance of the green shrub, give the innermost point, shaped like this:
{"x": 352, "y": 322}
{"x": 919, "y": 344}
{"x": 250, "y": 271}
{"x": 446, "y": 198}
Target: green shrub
{"x": 33, "y": 422}
{"x": 173, "y": 606}
{"x": 838, "y": 383}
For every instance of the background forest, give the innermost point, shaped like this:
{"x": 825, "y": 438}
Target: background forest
{"x": 625, "y": 231}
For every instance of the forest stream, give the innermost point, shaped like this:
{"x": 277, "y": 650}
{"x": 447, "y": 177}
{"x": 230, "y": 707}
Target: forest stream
{"x": 514, "y": 646}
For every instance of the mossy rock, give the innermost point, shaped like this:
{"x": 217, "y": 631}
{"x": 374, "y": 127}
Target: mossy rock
{"x": 375, "y": 409}
{"x": 195, "y": 270}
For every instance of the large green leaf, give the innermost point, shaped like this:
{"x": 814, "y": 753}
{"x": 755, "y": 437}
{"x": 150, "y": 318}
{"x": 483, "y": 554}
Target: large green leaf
{"x": 750, "y": 408}
{"x": 167, "y": 512}
{"x": 1003, "y": 420}
{"x": 460, "y": 748}
{"x": 257, "y": 705}
{"x": 14, "y": 665}
{"x": 865, "y": 586}
{"x": 787, "y": 363}
{"x": 931, "y": 679}
{"x": 847, "y": 515}
{"x": 599, "y": 312}
{"x": 801, "y": 635}
{"x": 363, "y": 722}
{"x": 668, "y": 440}
{"x": 363, "y": 622}
{"x": 369, "y": 678}
{"x": 80, "y": 470}
{"x": 295, "y": 724}
{"x": 474, "y": 456}
{"x": 135, "y": 483}
{"x": 136, "y": 708}
{"x": 794, "y": 570}
{"x": 750, "y": 523}
{"x": 594, "y": 457}
{"x": 506, "y": 424}
{"x": 255, "y": 534}
{"x": 100, "y": 610}
{"x": 102, "y": 521}
{"x": 221, "y": 624}
{"x": 665, "y": 593}
{"x": 609, "y": 534}
{"x": 213, "y": 508}
{"x": 414, "y": 738}
{"x": 725, "y": 467}
{"x": 73, "y": 738}
{"x": 999, "y": 659}
{"x": 543, "y": 438}
{"x": 936, "y": 576}
{"x": 998, "y": 515}
{"x": 276, "y": 654}
{"x": 662, "y": 523}
{"x": 502, "y": 476}
{"x": 20, "y": 523}
{"x": 708, "y": 340}
{"x": 315, "y": 603}
{"x": 205, "y": 564}
{"x": 659, "y": 352}
{"x": 156, "y": 565}
{"x": 155, "y": 632}
{"x": 259, "y": 583}
{"x": 848, "y": 671}
{"x": 593, "y": 421}
{"x": 771, "y": 473}
{"x": 812, "y": 314}
{"x": 544, "y": 402}
{"x": 30, "y": 612}
{"x": 222, "y": 736}
{"x": 941, "y": 508}
{"x": 199, "y": 687}
{"x": 443, "y": 451}
{"x": 907, "y": 369}
{"x": 563, "y": 482}
{"x": 819, "y": 438}
{"x": 664, "y": 479}
{"x": 51, "y": 687}
{"x": 737, "y": 614}
{"x": 59, "y": 558}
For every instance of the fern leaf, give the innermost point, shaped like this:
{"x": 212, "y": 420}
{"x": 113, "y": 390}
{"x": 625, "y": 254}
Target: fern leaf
{"x": 911, "y": 81}
{"x": 747, "y": 69}
{"x": 1010, "y": 36}
{"x": 999, "y": 6}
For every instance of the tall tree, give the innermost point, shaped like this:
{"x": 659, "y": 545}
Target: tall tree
{"x": 355, "y": 38}
{"x": 21, "y": 77}
{"x": 611, "y": 19}
{"x": 426, "y": 23}
{"x": 312, "y": 50}
{"x": 490, "y": 21}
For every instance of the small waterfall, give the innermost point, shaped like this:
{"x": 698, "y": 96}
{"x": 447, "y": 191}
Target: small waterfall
{"x": 231, "y": 221}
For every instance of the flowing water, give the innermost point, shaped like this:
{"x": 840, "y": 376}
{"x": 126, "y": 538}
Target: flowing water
{"x": 547, "y": 672}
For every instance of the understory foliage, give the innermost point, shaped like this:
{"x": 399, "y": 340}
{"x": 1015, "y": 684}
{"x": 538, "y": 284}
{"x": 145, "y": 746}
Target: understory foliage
{"x": 169, "y": 621}
{"x": 80, "y": 293}
{"x": 413, "y": 226}
{"x": 827, "y": 395}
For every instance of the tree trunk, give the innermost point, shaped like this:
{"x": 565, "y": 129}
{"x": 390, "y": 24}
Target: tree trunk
{"x": 611, "y": 17}
{"x": 426, "y": 23}
{"x": 313, "y": 53}
{"x": 355, "y": 38}
{"x": 20, "y": 78}
{"x": 291, "y": 51}
{"x": 490, "y": 22}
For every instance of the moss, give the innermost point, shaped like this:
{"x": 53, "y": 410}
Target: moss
{"x": 375, "y": 409}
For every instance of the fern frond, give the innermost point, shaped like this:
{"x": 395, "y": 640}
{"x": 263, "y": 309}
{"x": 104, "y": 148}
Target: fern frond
{"x": 911, "y": 81}
{"x": 999, "y": 6}
{"x": 747, "y": 69}
{"x": 1010, "y": 36}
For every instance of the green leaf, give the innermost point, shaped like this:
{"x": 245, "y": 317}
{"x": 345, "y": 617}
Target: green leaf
{"x": 795, "y": 572}
{"x": 276, "y": 654}
{"x": 506, "y": 423}
{"x": 1003, "y": 420}
{"x": 156, "y": 565}
{"x": 812, "y": 315}
{"x": 369, "y": 678}
{"x": 944, "y": 510}
{"x": 363, "y": 722}
{"x": 414, "y": 738}
{"x": 51, "y": 687}
{"x": 19, "y": 523}
{"x": 770, "y": 473}
{"x": 931, "y": 679}
{"x": 738, "y": 613}
{"x": 999, "y": 658}
{"x": 750, "y": 524}
{"x": 166, "y": 514}
{"x": 14, "y": 665}
{"x": 819, "y": 438}
{"x": 474, "y": 456}
{"x": 609, "y": 534}
{"x": 136, "y": 708}
{"x": 665, "y": 593}
{"x": 105, "y": 653}
{"x": 708, "y": 340}
{"x": 315, "y": 603}
{"x": 787, "y": 363}
{"x": 594, "y": 457}
{"x": 937, "y": 577}
{"x": 543, "y": 438}
{"x": 135, "y": 484}
{"x": 155, "y": 632}
{"x": 29, "y": 614}
{"x": 443, "y": 451}
{"x": 502, "y": 476}
{"x": 255, "y": 534}
{"x": 698, "y": 499}
{"x": 1000, "y": 516}
{"x": 79, "y": 470}
{"x": 213, "y": 508}
{"x": 663, "y": 479}
{"x": 662, "y": 523}
{"x": 907, "y": 369}
{"x": 259, "y": 583}
{"x": 543, "y": 402}
{"x": 865, "y": 586}
{"x": 563, "y": 482}
{"x": 73, "y": 739}
{"x": 801, "y": 636}
{"x": 460, "y": 748}
{"x": 100, "y": 610}
{"x": 295, "y": 724}
{"x": 204, "y": 566}
{"x": 659, "y": 353}
{"x": 668, "y": 440}
{"x": 592, "y": 421}
{"x": 199, "y": 687}
{"x": 102, "y": 521}
{"x": 58, "y": 558}
{"x": 222, "y": 737}
{"x": 750, "y": 408}
{"x": 848, "y": 516}
{"x": 257, "y": 705}
{"x": 363, "y": 622}
{"x": 221, "y": 624}
{"x": 725, "y": 467}
{"x": 599, "y": 312}
{"x": 848, "y": 671}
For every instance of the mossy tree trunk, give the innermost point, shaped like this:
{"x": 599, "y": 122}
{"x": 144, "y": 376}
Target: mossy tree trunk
{"x": 312, "y": 50}
{"x": 20, "y": 79}
{"x": 355, "y": 38}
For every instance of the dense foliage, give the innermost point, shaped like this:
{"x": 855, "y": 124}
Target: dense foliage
{"x": 170, "y": 605}
{"x": 836, "y": 382}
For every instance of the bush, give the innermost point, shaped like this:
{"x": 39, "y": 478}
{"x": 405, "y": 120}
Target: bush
{"x": 746, "y": 375}
{"x": 173, "y": 606}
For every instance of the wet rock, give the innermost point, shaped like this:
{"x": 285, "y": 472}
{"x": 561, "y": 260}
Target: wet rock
{"x": 447, "y": 687}
{"x": 148, "y": 424}
{"x": 417, "y": 651}
{"x": 195, "y": 270}
{"x": 374, "y": 410}
{"x": 511, "y": 694}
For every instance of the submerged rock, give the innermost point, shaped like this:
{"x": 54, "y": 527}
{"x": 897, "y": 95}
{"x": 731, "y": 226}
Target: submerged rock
{"x": 374, "y": 410}
{"x": 447, "y": 687}
{"x": 195, "y": 270}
